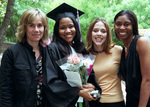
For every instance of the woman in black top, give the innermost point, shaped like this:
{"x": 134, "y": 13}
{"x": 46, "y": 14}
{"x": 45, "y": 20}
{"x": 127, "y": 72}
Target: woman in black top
{"x": 134, "y": 66}
{"x": 21, "y": 71}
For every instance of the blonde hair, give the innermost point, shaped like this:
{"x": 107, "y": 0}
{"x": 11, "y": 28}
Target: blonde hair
{"x": 107, "y": 44}
{"x": 26, "y": 18}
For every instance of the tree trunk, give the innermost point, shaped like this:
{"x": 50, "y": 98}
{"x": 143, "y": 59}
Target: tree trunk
{"x": 5, "y": 24}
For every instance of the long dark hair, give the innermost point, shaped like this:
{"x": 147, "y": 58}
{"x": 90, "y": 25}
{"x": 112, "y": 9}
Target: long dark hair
{"x": 63, "y": 45}
{"x": 132, "y": 17}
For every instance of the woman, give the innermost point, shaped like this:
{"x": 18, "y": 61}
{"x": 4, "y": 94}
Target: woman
{"x": 106, "y": 64}
{"x": 66, "y": 40}
{"x": 134, "y": 66}
{"x": 22, "y": 67}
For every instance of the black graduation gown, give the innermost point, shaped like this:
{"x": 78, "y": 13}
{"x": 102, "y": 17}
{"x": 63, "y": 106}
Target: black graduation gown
{"x": 58, "y": 91}
{"x": 92, "y": 80}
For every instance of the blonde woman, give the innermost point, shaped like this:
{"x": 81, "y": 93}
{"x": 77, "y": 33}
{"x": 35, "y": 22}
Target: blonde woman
{"x": 21, "y": 71}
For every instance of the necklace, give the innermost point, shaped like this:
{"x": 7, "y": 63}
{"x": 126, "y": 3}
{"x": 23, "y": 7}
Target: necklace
{"x": 98, "y": 51}
{"x": 126, "y": 47}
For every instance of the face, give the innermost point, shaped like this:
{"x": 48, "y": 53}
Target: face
{"x": 35, "y": 30}
{"x": 99, "y": 34}
{"x": 123, "y": 27}
{"x": 67, "y": 30}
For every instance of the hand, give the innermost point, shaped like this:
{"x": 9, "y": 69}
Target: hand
{"x": 85, "y": 93}
{"x": 88, "y": 85}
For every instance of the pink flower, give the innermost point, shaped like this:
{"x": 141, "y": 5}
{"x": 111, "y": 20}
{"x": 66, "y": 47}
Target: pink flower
{"x": 78, "y": 63}
{"x": 76, "y": 59}
{"x": 89, "y": 69}
{"x": 70, "y": 60}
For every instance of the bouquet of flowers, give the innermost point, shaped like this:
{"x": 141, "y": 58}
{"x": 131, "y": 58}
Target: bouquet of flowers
{"x": 77, "y": 68}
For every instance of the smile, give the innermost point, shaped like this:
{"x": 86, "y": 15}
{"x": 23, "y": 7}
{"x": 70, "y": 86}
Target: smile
{"x": 98, "y": 39}
{"x": 68, "y": 35}
{"x": 122, "y": 34}
{"x": 36, "y": 34}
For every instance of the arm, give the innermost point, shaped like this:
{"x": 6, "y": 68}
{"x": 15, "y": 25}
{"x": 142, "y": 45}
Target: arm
{"x": 85, "y": 91}
{"x": 6, "y": 94}
{"x": 143, "y": 49}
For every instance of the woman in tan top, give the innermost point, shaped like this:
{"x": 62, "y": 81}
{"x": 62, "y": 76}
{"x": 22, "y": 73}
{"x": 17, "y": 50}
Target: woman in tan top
{"x": 106, "y": 64}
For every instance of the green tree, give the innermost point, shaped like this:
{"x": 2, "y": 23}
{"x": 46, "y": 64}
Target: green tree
{"x": 5, "y": 23}
{"x": 3, "y": 4}
{"x": 106, "y": 9}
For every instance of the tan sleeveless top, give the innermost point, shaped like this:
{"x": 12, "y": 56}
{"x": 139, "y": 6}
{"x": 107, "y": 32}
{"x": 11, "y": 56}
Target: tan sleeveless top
{"x": 106, "y": 67}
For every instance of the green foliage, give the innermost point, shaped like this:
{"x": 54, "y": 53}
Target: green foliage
{"x": 93, "y": 8}
{"x": 3, "y": 4}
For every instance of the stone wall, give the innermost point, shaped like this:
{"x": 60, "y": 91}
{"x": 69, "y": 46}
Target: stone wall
{"x": 5, "y": 46}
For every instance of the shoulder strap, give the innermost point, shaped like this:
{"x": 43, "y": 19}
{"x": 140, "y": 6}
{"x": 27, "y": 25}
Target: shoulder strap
{"x": 133, "y": 48}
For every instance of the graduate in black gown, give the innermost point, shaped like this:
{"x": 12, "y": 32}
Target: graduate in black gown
{"x": 66, "y": 37}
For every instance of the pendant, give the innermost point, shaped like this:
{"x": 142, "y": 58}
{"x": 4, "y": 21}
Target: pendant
{"x": 126, "y": 49}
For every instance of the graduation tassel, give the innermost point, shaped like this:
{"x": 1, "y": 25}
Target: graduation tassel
{"x": 79, "y": 25}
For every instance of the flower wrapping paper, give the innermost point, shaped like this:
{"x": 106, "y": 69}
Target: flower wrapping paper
{"x": 77, "y": 65}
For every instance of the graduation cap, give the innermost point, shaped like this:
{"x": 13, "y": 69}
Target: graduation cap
{"x": 64, "y": 10}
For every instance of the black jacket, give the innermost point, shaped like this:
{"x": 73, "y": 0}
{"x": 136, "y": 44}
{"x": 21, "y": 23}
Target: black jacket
{"x": 18, "y": 78}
